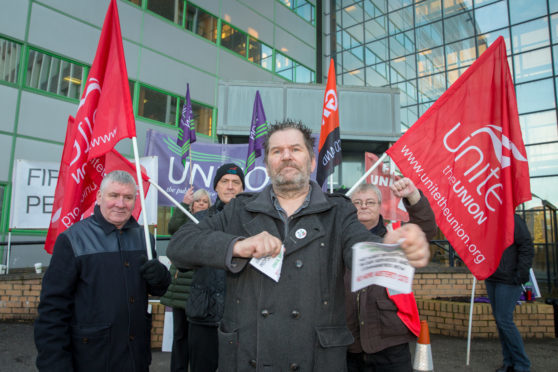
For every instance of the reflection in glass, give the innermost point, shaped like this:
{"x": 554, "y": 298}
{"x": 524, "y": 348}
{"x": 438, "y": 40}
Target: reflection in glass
{"x": 376, "y": 52}
{"x": 459, "y": 27}
{"x": 401, "y": 20}
{"x": 284, "y": 66}
{"x": 203, "y": 117}
{"x": 202, "y": 23}
{"x": 535, "y": 96}
{"x": 429, "y": 36}
{"x": 167, "y": 9}
{"x": 352, "y": 15}
{"x": 431, "y": 87}
{"x": 401, "y": 44}
{"x": 539, "y": 127}
{"x": 260, "y": 54}
{"x": 356, "y": 33}
{"x": 532, "y": 65}
{"x": 522, "y": 10}
{"x": 408, "y": 116}
{"x": 530, "y": 35}
{"x": 355, "y": 78}
{"x": 453, "y": 75}
{"x": 554, "y": 27}
{"x": 233, "y": 39}
{"x": 375, "y": 28}
{"x": 374, "y": 8}
{"x": 157, "y": 106}
{"x": 484, "y": 41}
{"x": 428, "y": 11}
{"x": 303, "y": 74}
{"x": 460, "y": 54}
{"x": 490, "y": 17}
{"x": 403, "y": 68}
{"x": 456, "y": 6}
{"x": 430, "y": 61}
{"x": 543, "y": 159}
{"x": 408, "y": 93}
{"x": 54, "y": 75}
{"x": 377, "y": 76}
{"x": 10, "y": 54}
{"x": 353, "y": 59}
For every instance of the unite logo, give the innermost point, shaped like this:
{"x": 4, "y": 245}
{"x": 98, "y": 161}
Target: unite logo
{"x": 330, "y": 104}
{"x": 484, "y": 173}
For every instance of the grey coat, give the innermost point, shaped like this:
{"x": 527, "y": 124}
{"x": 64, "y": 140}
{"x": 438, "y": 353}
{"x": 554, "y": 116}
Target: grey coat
{"x": 299, "y": 322}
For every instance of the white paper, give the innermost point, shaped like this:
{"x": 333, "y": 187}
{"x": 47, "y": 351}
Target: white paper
{"x": 381, "y": 264}
{"x": 270, "y": 266}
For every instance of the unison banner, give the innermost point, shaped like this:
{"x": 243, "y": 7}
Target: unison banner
{"x": 206, "y": 159}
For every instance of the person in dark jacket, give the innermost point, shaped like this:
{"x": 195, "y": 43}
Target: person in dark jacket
{"x": 382, "y": 322}
{"x": 204, "y": 306}
{"x": 297, "y": 322}
{"x": 92, "y": 314}
{"x": 504, "y": 287}
{"x": 179, "y": 289}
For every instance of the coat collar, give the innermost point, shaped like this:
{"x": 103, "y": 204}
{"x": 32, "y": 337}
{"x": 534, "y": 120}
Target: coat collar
{"x": 109, "y": 227}
{"x": 262, "y": 202}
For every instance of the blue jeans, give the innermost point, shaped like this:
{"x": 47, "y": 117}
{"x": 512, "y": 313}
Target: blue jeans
{"x": 503, "y": 298}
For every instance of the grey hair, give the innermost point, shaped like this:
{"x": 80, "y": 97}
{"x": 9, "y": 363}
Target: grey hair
{"x": 118, "y": 176}
{"x": 290, "y": 124}
{"x": 363, "y": 187}
{"x": 200, "y": 194}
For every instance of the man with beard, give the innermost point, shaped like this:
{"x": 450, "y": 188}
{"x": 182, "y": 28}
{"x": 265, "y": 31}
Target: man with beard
{"x": 298, "y": 322}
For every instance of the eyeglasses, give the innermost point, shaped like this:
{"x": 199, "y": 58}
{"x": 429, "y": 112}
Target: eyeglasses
{"x": 367, "y": 203}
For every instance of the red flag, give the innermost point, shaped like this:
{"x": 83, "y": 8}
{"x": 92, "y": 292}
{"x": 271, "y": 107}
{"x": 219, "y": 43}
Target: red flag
{"x": 106, "y": 105}
{"x": 329, "y": 149}
{"x": 104, "y": 117}
{"x": 467, "y": 155}
{"x": 392, "y": 206}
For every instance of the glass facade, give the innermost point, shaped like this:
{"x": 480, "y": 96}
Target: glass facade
{"x": 422, "y": 47}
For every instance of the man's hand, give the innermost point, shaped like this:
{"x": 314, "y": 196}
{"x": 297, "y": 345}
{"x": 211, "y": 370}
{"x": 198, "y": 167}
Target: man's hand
{"x": 413, "y": 242}
{"x": 405, "y": 188}
{"x": 189, "y": 196}
{"x": 154, "y": 272}
{"x": 262, "y": 245}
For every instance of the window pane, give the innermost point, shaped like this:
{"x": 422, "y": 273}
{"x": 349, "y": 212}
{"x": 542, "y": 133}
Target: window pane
{"x": 459, "y": 27}
{"x": 403, "y": 69}
{"x": 429, "y": 36}
{"x": 431, "y": 87}
{"x": 401, "y": 20}
{"x": 539, "y": 127}
{"x": 375, "y": 28}
{"x": 543, "y": 159}
{"x": 545, "y": 188}
{"x": 10, "y": 54}
{"x": 401, "y": 44}
{"x": 554, "y": 27}
{"x": 54, "y": 75}
{"x": 260, "y": 54}
{"x": 428, "y": 11}
{"x": 530, "y": 35}
{"x": 301, "y": 7}
{"x": 430, "y": 61}
{"x": 203, "y": 117}
{"x": 157, "y": 106}
{"x": 408, "y": 93}
{"x": 377, "y": 76}
{"x": 202, "y": 23}
{"x": 166, "y": 8}
{"x": 356, "y": 32}
{"x": 532, "y": 65}
{"x": 396, "y": 4}
{"x": 408, "y": 116}
{"x": 354, "y": 78}
{"x": 456, "y": 6}
{"x": 352, "y": 15}
{"x": 535, "y": 96}
{"x": 376, "y": 52}
{"x": 233, "y": 39}
{"x": 491, "y": 17}
{"x": 484, "y": 41}
{"x": 522, "y": 10}
{"x": 453, "y": 75}
{"x": 374, "y": 8}
{"x": 284, "y": 66}
{"x": 353, "y": 59}
{"x": 460, "y": 54}
{"x": 303, "y": 74}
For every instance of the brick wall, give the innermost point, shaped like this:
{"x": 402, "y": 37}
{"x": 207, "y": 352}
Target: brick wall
{"x": 19, "y": 297}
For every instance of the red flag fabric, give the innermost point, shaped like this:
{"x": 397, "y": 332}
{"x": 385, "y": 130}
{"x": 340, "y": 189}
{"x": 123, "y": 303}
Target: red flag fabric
{"x": 467, "y": 155}
{"x": 104, "y": 117}
{"x": 329, "y": 149}
{"x": 106, "y": 105}
{"x": 392, "y": 206}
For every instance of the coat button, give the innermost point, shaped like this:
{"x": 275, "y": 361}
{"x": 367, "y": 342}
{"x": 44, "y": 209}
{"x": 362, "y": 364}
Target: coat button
{"x": 293, "y": 367}
{"x": 295, "y": 314}
{"x": 265, "y": 313}
{"x": 299, "y": 264}
{"x": 253, "y": 363}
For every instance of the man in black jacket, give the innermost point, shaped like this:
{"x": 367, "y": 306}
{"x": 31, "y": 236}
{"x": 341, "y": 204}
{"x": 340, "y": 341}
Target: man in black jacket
{"x": 504, "y": 288}
{"x": 93, "y": 306}
{"x": 205, "y": 303}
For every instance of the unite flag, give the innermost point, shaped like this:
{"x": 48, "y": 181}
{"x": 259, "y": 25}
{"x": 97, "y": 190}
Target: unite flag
{"x": 466, "y": 153}
{"x": 258, "y": 133}
{"x": 103, "y": 118}
{"x": 186, "y": 129}
{"x": 329, "y": 149}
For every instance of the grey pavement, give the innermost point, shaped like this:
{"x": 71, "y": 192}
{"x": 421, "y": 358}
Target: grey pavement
{"x": 17, "y": 352}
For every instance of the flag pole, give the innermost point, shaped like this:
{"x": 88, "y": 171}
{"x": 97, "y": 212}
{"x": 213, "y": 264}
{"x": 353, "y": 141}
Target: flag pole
{"x": 378, "y": 162}
{"x": 190, "y": 167}
{"x": 142, "y": 198}
{"x": 331, "y": 183}
{"x": 172, "y": 200}
{"x": 471, "y": 319}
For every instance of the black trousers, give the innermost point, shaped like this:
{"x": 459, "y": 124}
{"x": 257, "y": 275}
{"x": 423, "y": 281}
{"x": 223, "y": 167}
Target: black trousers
{"x": 392, "y": 359}
{"x": 179, "y": 355}
{"x": 203, "y": 348}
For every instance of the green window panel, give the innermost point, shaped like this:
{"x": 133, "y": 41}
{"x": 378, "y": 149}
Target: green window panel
{"x": 169, "y": 9}
{"x": 284, "y": 66}
{"x": 201, "y": 23}
{"x": 260, "y": 54}
{"x": 301, "y": 7}
{"x": 54, "y": 75}
{"x": 10, "y": 59}
{"x": 158, "y": 106}
{"x": 233, "y": 39}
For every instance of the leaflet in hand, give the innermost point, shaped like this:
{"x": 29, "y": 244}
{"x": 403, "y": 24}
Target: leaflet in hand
{"x": 381, "y": 264}
{"x": 270, "y": 266}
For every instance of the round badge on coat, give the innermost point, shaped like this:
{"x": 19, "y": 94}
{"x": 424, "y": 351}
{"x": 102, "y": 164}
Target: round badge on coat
{"x": 300, "y": 233}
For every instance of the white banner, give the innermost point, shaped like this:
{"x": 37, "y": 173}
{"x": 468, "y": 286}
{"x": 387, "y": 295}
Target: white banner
{"x": 33, "y": 188}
